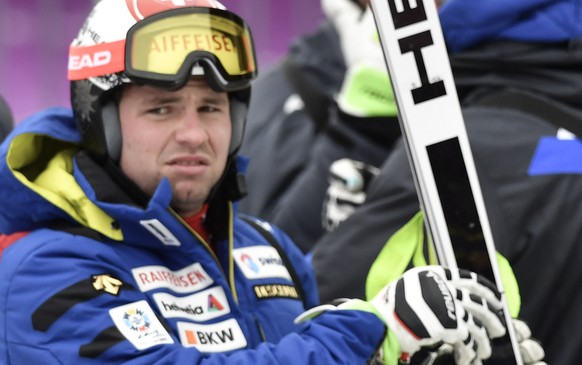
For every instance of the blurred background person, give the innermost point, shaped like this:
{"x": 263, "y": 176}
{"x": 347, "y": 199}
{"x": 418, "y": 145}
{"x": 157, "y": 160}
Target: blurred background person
{"x": 518, "y": 72}
{"x": 296, "y": 130}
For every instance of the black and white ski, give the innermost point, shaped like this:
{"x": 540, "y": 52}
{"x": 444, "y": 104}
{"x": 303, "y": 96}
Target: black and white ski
{"x": 438, "y": 148}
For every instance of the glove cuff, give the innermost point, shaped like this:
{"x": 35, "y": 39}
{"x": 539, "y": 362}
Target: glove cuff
{"x": 367, "y": 92}
{"x": 390, "y": 346}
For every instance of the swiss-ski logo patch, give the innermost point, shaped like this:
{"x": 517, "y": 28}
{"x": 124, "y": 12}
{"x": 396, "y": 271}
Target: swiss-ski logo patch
{"x": 259, "y": 262}
{"x": 139, "y": 325}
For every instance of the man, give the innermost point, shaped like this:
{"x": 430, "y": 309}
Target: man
{"x": 518, "y": 74}
{"x": 133, "y": 251}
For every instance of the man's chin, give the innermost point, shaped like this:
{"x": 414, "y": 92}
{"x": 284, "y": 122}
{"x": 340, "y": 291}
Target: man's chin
{"x": 188, "y": 201}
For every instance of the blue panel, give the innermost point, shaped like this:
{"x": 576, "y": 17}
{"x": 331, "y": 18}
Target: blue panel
{"x": 557, "y": 156}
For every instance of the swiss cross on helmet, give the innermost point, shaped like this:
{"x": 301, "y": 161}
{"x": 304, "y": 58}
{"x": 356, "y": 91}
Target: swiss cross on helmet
{"x": 161, "y": 43}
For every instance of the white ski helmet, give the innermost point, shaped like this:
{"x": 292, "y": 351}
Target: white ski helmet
{"x": 160, "y": 43}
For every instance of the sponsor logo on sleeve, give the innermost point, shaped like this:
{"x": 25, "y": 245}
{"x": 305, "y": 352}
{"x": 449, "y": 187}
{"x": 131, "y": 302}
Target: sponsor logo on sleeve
{"x": 217, "y": 337}
{"x": 259, "y": 262}
{"x": 139, "y": 324}
{"x": 269, "y": 291}
{"x": 203, "y": 306}
{"x": 187, "y": 280}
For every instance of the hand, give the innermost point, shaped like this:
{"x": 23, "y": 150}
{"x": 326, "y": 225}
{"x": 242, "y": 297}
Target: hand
{"x": 430, "y": 306}
{"x": 366, "y": 90}
{"x": 348, "y": 181}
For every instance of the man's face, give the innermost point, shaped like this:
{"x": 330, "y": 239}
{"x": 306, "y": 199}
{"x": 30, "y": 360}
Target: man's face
{"x": 183, "y": 135}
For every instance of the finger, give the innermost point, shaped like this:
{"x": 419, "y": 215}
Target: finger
{"x": 531, "y": 351}
{"x": 487, "y": 314}
{"x": 469, "y": 281}
{"x": 479, "y": 334}
{"x": 476, "y": 284}
{"x": 465, "y": 351}
{"x": 521, "y": 330}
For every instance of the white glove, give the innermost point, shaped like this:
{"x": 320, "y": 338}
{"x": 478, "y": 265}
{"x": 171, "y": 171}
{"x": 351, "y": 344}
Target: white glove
{"x": 348, "y": 181}
{"x": 366, "y": 90}
{"x": 430, "y": 306}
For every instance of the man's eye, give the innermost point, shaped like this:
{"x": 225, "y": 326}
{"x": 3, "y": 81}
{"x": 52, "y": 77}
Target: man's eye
{"x": 208, "y": 109}
{"x": 159, "y": 111}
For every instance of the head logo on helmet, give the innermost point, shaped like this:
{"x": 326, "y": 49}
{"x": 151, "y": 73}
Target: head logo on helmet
{"x": 143, "y": 8}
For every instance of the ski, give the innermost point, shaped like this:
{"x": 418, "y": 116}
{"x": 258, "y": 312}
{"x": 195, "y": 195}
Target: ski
{"x": 436, "y": 141}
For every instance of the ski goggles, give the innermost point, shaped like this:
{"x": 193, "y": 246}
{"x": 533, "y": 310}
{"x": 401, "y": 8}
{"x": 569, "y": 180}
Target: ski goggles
{"x": 167, "y": 48}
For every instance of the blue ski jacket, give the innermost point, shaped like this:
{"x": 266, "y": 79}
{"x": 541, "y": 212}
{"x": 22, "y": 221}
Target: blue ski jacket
{"x": 143, "y": 287}
{"x": 467, "y": 23}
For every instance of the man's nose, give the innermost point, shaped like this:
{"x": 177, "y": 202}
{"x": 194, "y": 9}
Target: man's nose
{"x": 191, "y": 129}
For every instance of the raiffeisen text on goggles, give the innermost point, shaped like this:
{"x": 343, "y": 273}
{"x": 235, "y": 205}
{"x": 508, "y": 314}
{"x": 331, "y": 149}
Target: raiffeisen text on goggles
{"x": 167, "y": 48}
